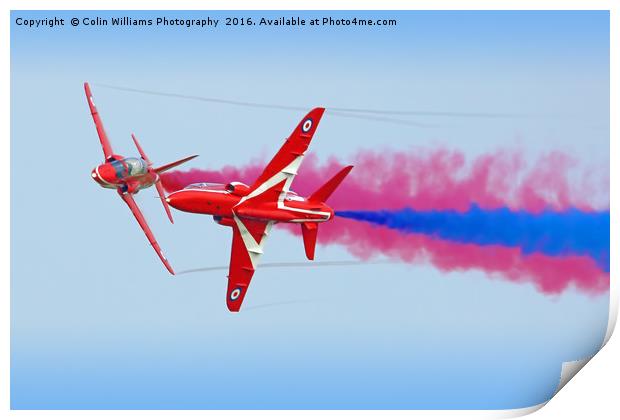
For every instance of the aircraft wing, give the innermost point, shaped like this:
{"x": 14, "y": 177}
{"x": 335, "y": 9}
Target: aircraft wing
{"x": 281, "y": 170}
{"x": 128, "y": 198}
{"x": 247, "y": 247}
{"x": 103, "y": 137}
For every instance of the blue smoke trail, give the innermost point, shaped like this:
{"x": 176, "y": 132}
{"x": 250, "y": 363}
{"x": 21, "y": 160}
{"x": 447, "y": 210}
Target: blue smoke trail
{"x": 570, "y": 232}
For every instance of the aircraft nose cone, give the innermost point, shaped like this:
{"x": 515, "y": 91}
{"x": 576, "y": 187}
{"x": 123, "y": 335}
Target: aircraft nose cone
{"x": 174, "y": 200}
{"x": 179, "y": 200}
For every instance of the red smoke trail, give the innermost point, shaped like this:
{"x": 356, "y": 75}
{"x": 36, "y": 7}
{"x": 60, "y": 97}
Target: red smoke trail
{"x": 439, "y": 180}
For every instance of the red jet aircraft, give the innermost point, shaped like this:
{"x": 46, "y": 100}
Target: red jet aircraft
{"x": 129, "y": 175}
{"x": 251, "y": 210}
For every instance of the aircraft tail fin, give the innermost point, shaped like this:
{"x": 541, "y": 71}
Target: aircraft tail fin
{"x": 309, "y": 231}
{"x": 162, "y": 168}
{"x": 142, "y": 154}
{"x": 323, "y": 193}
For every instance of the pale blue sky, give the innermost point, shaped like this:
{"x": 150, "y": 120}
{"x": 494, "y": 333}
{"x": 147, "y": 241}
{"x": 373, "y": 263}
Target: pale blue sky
{"x": 98, "y": 323}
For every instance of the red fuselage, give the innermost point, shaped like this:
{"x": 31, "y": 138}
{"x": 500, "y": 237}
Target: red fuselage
{"x": 131, "y": 174}
{"x": 219, "y": 200}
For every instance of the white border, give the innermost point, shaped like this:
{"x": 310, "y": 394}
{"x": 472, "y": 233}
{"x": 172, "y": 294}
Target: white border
{"x": 599, "y": 375}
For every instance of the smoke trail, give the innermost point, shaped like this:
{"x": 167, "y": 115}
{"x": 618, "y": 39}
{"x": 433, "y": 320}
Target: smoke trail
{"x": 571, "y": 232}
{"x": 549, "y": 274}
{"x": 436, "y": 180}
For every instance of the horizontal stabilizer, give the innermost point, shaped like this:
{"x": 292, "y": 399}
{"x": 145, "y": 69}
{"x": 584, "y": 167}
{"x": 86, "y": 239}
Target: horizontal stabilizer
{"x": 322, "y": 194}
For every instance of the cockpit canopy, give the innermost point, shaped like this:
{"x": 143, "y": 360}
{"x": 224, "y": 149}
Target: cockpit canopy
{"x": 136, "y": 166}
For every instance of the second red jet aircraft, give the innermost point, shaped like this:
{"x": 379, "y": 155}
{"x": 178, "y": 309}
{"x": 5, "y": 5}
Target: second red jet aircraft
{"x": 129, "y": 175}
